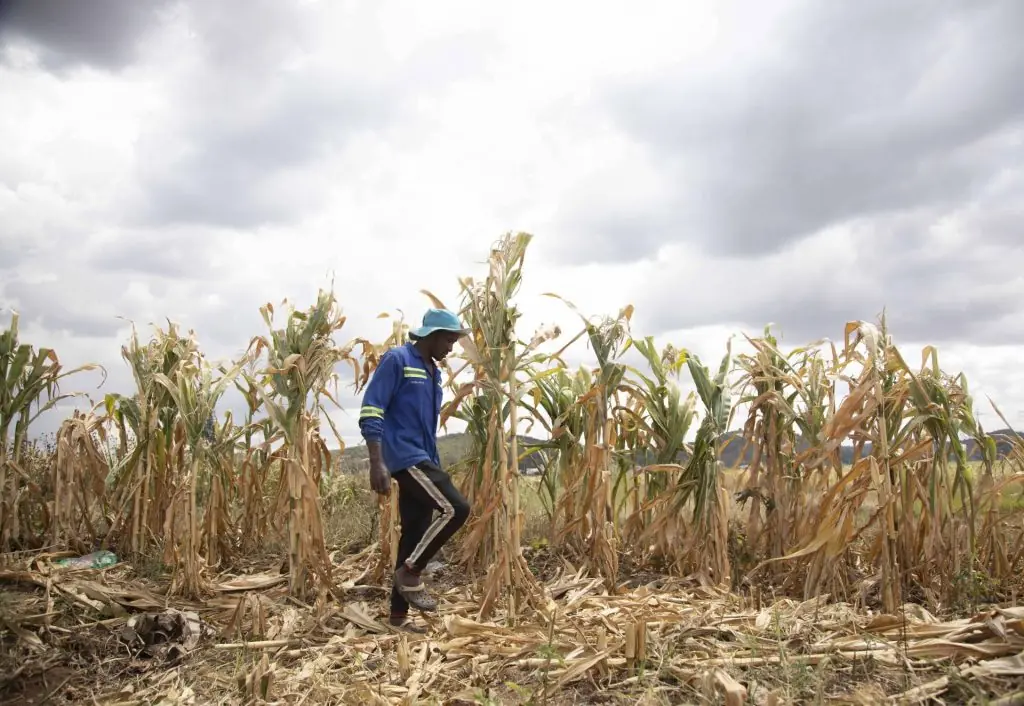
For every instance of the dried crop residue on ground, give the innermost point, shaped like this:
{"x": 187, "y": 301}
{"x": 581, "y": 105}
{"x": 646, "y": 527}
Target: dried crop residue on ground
{"x": 665, "y": 642}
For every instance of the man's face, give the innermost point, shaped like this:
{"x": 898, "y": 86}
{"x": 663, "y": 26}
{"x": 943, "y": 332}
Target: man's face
{"x": 441, "y": 344}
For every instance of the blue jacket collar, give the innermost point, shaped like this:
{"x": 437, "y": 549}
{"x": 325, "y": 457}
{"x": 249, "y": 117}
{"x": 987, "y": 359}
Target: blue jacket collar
{"x": 416, "y": 352}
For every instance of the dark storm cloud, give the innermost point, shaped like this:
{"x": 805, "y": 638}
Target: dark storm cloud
{"x": 968, "y": 290}
{"x": 854, "y": 110}
{"x": 998, "y": 219}
{"x": 102, "y": 33}
{"x": 46, "y": 304}
{"x": 261, "y": 114}
{"x": 168, "y": 253}
{"x": 610, "y": 234}
{"x": 247, "y": 171}
{"x": 914, "y": 305}
{"x": 233, "y": 152}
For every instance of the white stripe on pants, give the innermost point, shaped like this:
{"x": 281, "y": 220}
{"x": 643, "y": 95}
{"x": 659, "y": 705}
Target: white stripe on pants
{"x": 446, "y": 516}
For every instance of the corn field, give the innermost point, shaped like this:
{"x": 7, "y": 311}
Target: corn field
{"x": 632, "y": 467}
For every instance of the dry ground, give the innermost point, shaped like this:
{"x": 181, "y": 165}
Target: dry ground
{"x": 663, "y": 642}
{"x": 655, "y": 641}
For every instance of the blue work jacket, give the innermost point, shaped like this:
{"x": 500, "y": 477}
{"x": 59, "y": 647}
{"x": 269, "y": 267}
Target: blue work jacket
{"x": 401, "y": 409}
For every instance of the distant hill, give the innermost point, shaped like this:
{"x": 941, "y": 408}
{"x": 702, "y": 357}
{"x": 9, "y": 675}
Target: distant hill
{"x": 452, "y": 448}
{"x": 734, "y": 453}
{"x": 455, "y": 447}
{"x": 1004, "y": 443}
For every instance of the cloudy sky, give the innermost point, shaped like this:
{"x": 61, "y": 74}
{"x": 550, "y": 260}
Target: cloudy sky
{"x": 720, "y": 165}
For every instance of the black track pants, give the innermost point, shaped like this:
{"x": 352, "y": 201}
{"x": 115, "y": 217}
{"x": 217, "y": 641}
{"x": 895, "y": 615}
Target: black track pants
{"x": 422, "y": 490}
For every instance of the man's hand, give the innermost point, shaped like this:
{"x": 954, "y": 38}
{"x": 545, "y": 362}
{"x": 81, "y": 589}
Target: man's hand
{"x": 380, "y": 479}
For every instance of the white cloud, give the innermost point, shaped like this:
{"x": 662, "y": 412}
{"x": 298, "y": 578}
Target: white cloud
{"x": 247, "y": 156}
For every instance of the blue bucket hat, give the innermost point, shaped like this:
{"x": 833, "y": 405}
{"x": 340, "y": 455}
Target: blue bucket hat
{"x": 438, "y": 320}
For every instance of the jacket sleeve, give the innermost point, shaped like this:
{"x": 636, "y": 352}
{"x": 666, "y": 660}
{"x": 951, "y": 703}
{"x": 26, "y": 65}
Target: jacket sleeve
{"x": 377, "y": 398}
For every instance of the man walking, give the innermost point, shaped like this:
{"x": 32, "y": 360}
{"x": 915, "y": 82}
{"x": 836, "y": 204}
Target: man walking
{"x": 399, "y": 420}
